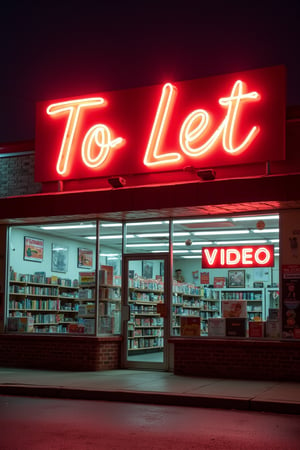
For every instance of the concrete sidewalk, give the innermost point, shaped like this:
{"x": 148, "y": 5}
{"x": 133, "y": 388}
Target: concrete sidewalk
{"x": 155, "y": 388}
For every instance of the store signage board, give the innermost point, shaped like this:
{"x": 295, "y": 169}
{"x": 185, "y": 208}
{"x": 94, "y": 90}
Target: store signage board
{"x": 238, "y": 256}
{"x": 218, "y": 121}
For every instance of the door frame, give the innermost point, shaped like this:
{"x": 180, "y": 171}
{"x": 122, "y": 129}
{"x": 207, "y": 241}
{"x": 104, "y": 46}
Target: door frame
{"x": 125, "y": 315}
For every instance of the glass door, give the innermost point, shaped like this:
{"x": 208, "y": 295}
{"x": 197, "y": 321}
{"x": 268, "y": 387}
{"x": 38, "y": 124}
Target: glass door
{"x": 146, "y": 318}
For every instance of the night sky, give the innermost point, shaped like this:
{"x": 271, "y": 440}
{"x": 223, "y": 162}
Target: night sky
{"x": 52, "y": 50}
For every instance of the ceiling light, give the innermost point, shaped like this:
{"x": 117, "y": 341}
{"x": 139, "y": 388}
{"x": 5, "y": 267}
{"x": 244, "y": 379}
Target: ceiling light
{"x": 200, "y": 220}
{"x": 142, "y": 224}
{"x": 115, "y": 236}
{"x": 244, "y": 218}
{"x": 143, "y": 235}
{"x": 247, "y": 241}
{"x": 110, "y": 225}
{"x": 211, "y": 233}
{"x": 182, "y": 233}
{"x": 66, "y": 227}
{"x": 266, "y": 230}
{"x": 142, "y": 244}
{"x": 181, "y": 251}
{"x": 194, "y": 243}
{"x": 192, "y": 256}
{"x": 274, "y": 241}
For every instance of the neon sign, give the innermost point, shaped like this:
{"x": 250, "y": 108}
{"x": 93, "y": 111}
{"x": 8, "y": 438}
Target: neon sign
{"x": 218, "y": 121}
{"x": 226, "y": 257}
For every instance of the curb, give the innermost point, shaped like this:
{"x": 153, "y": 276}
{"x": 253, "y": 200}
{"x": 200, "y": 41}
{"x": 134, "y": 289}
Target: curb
{"x": 241, "y": 404}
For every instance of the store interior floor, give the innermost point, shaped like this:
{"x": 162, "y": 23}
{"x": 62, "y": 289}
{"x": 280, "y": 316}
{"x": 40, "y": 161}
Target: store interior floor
{"x": 149, "y": 357}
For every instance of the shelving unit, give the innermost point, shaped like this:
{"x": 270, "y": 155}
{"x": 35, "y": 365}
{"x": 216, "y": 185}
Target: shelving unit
{"x": 194, "y": 301}
{"x": 49, "y": 307}
{"x": 109, "y": 309}
{"x": 145, "y": 327}
{"x": 255, "y": 298}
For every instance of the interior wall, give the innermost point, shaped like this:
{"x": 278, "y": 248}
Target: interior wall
{"x": 19, "y": 265}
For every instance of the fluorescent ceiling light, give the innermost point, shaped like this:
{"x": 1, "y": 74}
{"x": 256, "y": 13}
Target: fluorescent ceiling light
{"x": 142, "y": 224}
{"x": 196, "y": 251}
{"x": 159, "y": 251}
{"x": 276, "y": 248}
{"x": 115, "y": 236}
{"x": 147, "y": 245}
{"x": 200, "y": 220}
{"x": 193, "y": 243}
{"x": 275, "y": 241}
{"x": 244, "y": 218}
{"x": 266, "y": 230}
{"x": 65, "y": 227}
{"x": 247, "y": 241}
{"x": 143, "y": 235}
{"x": 181, "y": 251}
{"x": 109, "y": 254}
{"x": 211, "y": 233}
{"x": 192, "y": 256}
{"x": 276, "y": 254}
{"x": 104, "y": 225}
{"x": 112, "y": 258}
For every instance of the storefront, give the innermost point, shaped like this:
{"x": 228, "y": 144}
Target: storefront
{"x": 158, "y": 240}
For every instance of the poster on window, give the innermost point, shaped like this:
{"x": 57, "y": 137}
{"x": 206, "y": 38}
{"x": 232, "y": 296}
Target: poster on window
{"x": 33, "y": 249}
{"x": 59, "y": 258}
{"x": 291, "y": 301}
{"x": 85, "y": 258}
{"x": 232, "y": 308}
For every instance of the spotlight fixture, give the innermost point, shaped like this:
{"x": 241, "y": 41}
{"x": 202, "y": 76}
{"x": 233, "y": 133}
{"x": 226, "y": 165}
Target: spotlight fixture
{"x": 206, "y": 175}
{"x": 117, "y": 182}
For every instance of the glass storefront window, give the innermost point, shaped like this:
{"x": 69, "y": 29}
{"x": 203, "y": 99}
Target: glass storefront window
{"x": 147, "y": 237}
{"x": 110, "y": 278}
{"x": 54, "y": 286}
{"x": 52, "y": 278}
{"x": 235, "y": 301}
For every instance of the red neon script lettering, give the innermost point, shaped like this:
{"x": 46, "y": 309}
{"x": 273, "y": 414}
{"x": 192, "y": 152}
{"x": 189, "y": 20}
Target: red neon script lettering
{"x": 164, "y": 110}
{"x": 196, "y": 124}
{"x": 100, "y": 135}
{"x": 105, "y": 143}
{"x": 233, "y": 102}
{"x": 73, "y": 107}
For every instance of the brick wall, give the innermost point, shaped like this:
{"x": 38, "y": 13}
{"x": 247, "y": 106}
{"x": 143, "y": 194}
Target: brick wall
{"x": 60, "y": 352}
{"x": 17, "y": 176}
{"x": 264, "y": 360}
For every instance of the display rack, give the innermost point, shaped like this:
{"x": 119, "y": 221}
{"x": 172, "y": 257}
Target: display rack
{"x": 109, "y": 309}
{"x": 255, "y": 298}
{"x": 145, "y": 327}
{"x": 48, "y": 307}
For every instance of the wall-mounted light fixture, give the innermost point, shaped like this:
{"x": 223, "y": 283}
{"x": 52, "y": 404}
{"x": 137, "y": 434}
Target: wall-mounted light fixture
{"x": 206, "y": 175}
{"x": 117, "y": 182}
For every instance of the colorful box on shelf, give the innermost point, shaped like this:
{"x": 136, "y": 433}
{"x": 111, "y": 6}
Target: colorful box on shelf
{"x": 190, "y": 326}
{"x": 20, "y": 324}
{"x": 217, "y": 327}
{"x": 273, "y": 329}
{"x": 236, "y": 327}
{"x": 256, "y": 329}
{"x": 231, "y": 308}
